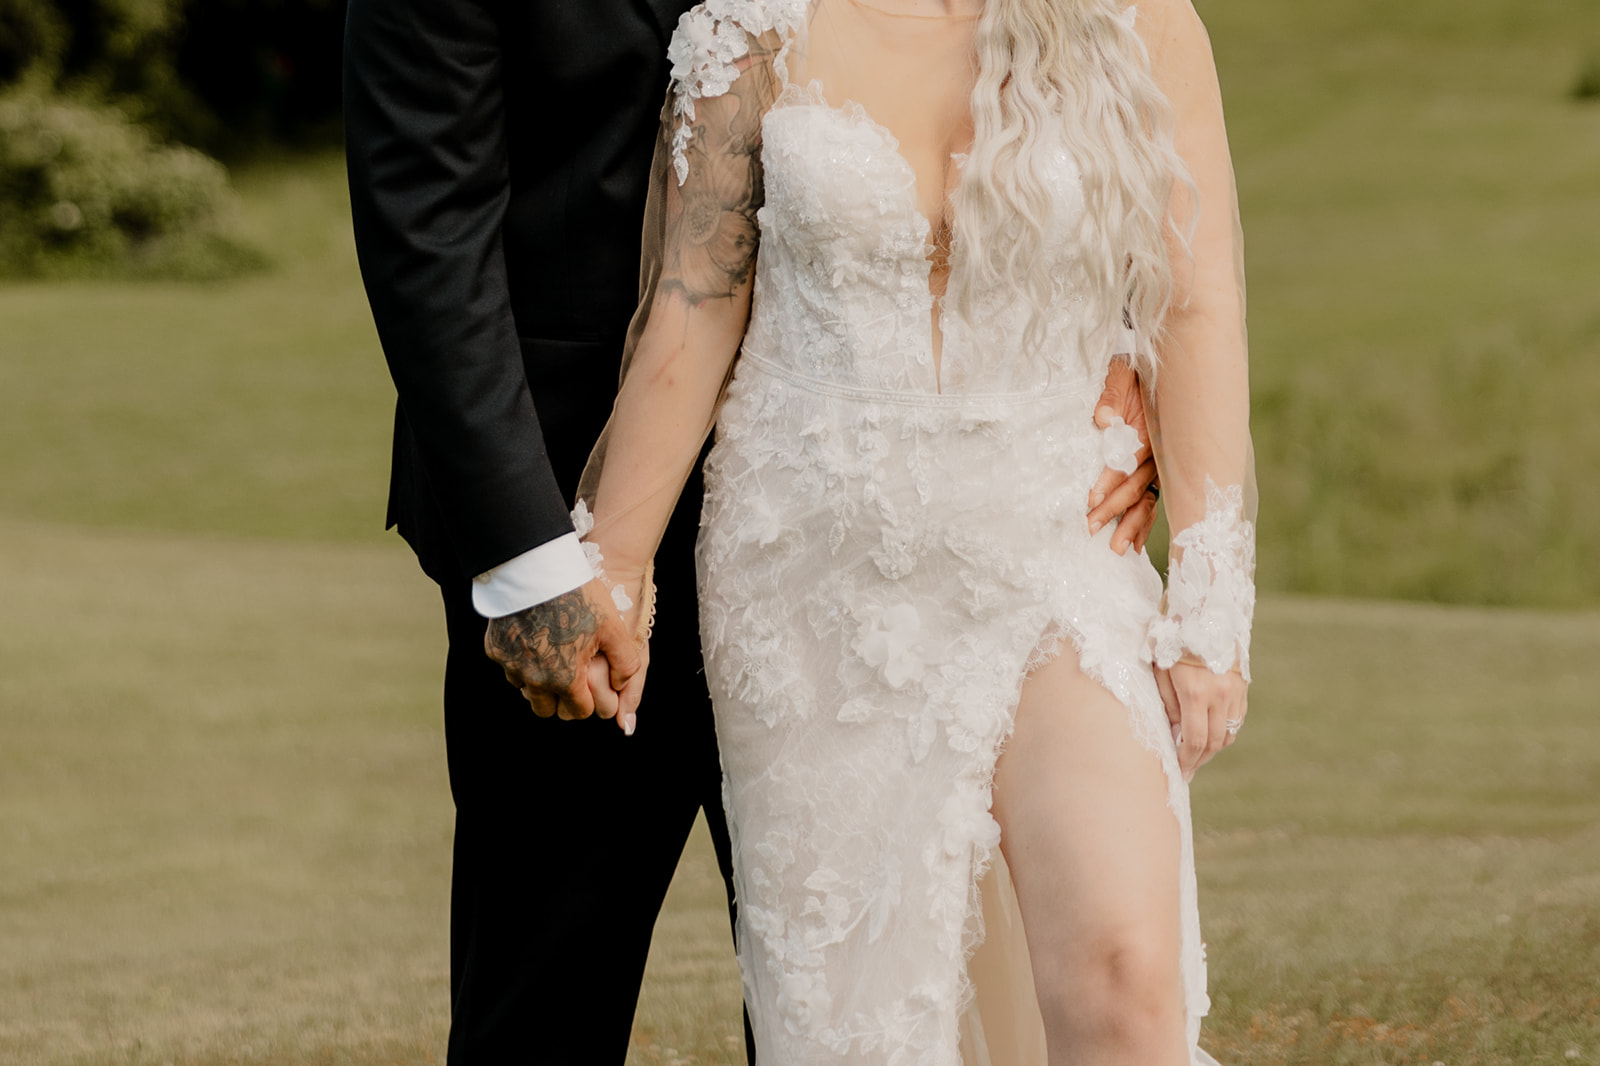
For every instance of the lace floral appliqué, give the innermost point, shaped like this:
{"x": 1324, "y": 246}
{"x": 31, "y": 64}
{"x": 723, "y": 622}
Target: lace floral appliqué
{"x": 711, "y": 38}
{"x": 1121, "y": 446}
{"x": 1211, "y": 592}
{"x": 583, "y": 525}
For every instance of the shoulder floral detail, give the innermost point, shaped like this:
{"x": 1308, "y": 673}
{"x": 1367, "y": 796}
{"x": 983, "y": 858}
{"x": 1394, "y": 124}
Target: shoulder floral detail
{"x": 1211, "y": 592}
{"x": 710, "y": 40}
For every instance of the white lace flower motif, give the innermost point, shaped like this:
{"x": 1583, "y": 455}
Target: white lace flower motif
{"x": 762, "y": 525}
{"x": 711, "y": 37}
{"x": 897, "y": 557}
{"x": 804, "y": 1002}
{"x": 967, "y": 823}
{"x": 859, "y": 709}
{"x": 582, "y": 519}
{"x": 583, "y": 525}
{"x": 889, "y": 641}
{"x": 1211, "y": 593}
{"x": 1119, "y": 443}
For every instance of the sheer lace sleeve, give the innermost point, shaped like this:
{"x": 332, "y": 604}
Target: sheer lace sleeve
{"x": 699, "y": 250}
{"x": 1200, "y": 399}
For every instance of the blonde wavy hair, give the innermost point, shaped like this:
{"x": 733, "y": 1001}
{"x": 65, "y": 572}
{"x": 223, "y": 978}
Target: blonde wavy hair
{"x": 1079, "y": 65}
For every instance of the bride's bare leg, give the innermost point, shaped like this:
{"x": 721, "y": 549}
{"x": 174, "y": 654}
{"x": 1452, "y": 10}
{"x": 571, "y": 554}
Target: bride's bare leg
{"x": 1094, "y": 853}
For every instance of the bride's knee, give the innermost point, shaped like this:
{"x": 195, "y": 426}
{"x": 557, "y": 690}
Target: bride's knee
{"x": 1123, "y": 989}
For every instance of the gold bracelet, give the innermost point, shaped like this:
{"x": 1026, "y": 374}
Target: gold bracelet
{"x": 647, "y": 604}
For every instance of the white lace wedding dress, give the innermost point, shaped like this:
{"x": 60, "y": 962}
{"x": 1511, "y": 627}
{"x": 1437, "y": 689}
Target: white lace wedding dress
{"x": 889, "y": 543}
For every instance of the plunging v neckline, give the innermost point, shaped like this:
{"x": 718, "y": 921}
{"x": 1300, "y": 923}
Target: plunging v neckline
{"x": 811, "y": 95}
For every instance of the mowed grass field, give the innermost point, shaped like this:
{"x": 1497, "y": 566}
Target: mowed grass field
{"x": 224, "y": 822}
{"x": 226, "y": 827}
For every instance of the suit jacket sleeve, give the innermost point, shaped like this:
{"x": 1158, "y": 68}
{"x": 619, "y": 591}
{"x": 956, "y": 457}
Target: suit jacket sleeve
{"x": 429, "y": 187}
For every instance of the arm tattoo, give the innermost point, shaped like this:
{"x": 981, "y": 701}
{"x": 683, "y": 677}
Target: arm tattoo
{"x": 547, "y": 640}
{"x": 712, "y": 235}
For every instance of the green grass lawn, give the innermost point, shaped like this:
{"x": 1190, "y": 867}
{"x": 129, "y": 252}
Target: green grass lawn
{"x": 224, "y": 825}
{"x": 1421, "y": 198}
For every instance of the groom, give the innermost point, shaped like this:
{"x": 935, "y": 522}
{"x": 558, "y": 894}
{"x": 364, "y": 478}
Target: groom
{"x": 499, "y": 152}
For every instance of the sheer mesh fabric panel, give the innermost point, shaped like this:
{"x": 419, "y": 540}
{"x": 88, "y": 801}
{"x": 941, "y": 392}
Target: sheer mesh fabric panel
{"x": 698, "y": 253}
{"x": 1200, "y": 400}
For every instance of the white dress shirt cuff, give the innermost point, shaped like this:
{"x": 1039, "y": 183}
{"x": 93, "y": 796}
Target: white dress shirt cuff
{"x": 537, "y": 575}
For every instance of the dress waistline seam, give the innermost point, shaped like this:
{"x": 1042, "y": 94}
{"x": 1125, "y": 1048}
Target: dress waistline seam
{"x": 949, "y": 400}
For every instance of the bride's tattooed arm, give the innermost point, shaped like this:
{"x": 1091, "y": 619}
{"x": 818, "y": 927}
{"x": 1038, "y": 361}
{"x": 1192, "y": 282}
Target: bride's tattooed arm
{"x": 702, "y": 300}
{"x": 711, "y": 231}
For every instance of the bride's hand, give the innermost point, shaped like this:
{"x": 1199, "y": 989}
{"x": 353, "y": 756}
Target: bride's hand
{"x": 623, "y": 705}
{"x": 1204, "y": 709}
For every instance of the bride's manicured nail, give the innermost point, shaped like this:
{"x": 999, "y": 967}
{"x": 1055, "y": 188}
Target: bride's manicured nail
{"x": 1095, "y": 527}
{"x": 628, "y": 722}
{"x": 1096, "y": 499}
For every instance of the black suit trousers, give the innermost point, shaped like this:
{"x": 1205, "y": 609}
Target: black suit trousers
{"x": 568, "y": 832}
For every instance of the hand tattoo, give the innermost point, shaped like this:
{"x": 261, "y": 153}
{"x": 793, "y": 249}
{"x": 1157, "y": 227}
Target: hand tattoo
{"x": 546, "y": 644}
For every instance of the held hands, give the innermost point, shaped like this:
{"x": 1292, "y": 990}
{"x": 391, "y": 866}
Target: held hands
{"x": 1130, "y": 495}
{"x": 1204, "y": 709}
{"x": 576, "y": 655}
{"x": 623, "y": 703}
{"x": 572, "y": 656}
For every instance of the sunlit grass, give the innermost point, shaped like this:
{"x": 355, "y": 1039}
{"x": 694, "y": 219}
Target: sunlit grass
{"x": 1419, "y": 195}
{"x": 225, "y": 825}
{"x": 259, "y": 406}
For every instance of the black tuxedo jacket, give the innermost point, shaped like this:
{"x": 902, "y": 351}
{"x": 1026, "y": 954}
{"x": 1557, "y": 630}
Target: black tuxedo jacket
{"x": 499, "y": 152}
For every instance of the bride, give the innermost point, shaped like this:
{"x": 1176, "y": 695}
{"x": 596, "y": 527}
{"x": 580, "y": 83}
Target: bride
{"x": 892, "y": 247}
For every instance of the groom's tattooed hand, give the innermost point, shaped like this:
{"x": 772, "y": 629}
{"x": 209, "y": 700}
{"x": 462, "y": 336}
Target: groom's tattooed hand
{"x": 543, "y": 648}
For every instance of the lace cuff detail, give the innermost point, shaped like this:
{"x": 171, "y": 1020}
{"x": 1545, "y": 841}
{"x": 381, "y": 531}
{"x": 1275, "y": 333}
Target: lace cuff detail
{"x": 1211, "y": 592}
{"x": 583, "y": 523}
{"x": 710, "y": 40}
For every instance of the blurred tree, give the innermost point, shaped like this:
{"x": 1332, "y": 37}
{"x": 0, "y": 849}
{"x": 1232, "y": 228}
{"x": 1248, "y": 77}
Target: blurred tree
{"x": 86, "y": 191}
{"x": 224, "y": 75}
{"x": 269, "y": 70}
{"x": 94, "y": 92}
{"x": 32, "y": 37}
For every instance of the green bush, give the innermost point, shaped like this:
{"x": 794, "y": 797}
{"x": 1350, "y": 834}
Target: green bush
{"x": 84, "y": 191}
{"x": 33, "y": 36}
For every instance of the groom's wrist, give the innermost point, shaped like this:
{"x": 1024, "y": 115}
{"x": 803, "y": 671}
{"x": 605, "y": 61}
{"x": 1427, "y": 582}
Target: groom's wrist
{"x": 536, "y": 576}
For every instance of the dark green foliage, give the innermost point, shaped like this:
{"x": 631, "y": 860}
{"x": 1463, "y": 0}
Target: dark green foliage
{"x": 85, "y": 191}
{"x": 32, "y": 37}
{"x": 269, "y": 70}
{"x": 222, "y": 75}
{"x": 88, "y": 184}
{"x": 122, "y": 52}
